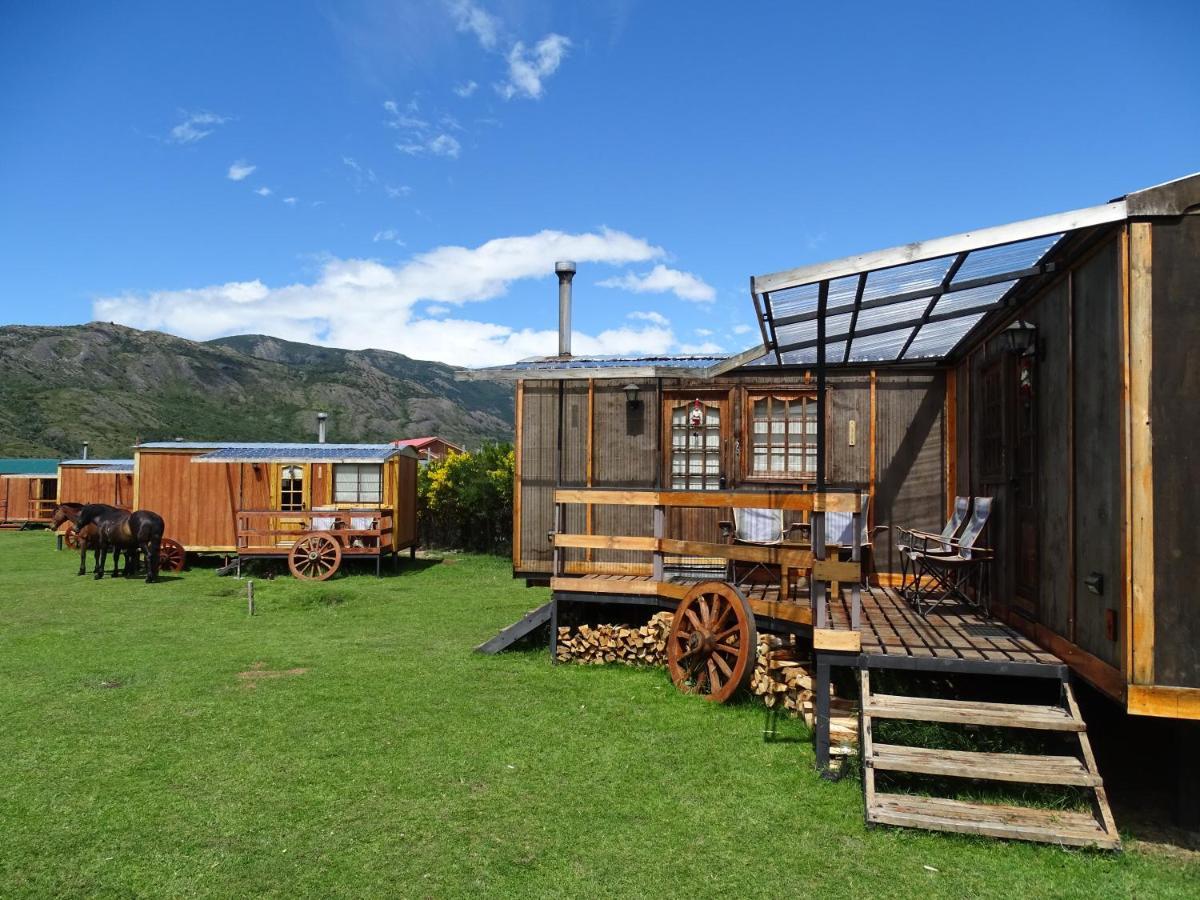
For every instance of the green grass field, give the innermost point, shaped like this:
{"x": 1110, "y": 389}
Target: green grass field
{"x": 345, "y": 742}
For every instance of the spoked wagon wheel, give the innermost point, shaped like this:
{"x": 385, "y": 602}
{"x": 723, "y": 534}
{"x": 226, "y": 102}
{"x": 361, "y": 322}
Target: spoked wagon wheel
{"x": 171, "y": 556}
{"x": 713, "y": 642}
{"x": 315, "y": 556}
{"x": 71, "y": 537}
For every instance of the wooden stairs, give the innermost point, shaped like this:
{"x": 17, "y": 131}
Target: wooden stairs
{"x": 1025, "y": 823}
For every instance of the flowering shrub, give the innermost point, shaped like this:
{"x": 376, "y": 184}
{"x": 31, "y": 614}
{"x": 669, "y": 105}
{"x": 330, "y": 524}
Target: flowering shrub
{"x": 465, "y": 501}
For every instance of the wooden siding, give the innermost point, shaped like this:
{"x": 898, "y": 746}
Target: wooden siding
{"x": 402, "y": 476}
{"x": 1175, "y": 385}
{"x": 77, "y": 485}
{"x": 627, "y": 451}
{"x": 198, "y": 501}
{"x": 1098, "y": 422}
{"x": 17, "y": 492}
{"x": 909, "y": 488}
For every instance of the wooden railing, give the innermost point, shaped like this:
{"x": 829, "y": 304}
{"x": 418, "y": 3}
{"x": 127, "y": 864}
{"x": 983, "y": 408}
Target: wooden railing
{"x": 275, "y": 530}
{"x": 810, "y": 556}
{"x": 42, "y": 509}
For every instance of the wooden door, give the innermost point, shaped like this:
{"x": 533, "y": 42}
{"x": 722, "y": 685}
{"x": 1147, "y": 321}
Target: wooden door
{"x": 696, "y": 444}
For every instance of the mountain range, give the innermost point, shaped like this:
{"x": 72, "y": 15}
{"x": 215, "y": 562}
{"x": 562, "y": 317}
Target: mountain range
{"x": 111, "y": 385}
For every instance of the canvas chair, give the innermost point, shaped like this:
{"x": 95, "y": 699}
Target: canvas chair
{"x": 324, "y": 523}
{"x": 363, "y": 523}
{"x": 760, "y": 527}
{"x": 953, "y": 565}
{"x": 908, "y": 539}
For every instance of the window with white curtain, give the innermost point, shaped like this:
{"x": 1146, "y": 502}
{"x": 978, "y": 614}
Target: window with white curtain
{"x": 357, "y": 483}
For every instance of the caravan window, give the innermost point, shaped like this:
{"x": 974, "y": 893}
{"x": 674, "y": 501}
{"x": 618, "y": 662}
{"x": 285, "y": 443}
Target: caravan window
{"x": 357, "y": 483}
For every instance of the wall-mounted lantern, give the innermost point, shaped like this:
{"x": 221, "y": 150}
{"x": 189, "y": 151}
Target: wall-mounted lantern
{"x": 631, "y": 393}
{"x": 1020, "y": 338}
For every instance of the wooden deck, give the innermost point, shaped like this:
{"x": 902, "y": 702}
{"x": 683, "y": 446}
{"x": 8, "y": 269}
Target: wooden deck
{"x": 889, "y": 627}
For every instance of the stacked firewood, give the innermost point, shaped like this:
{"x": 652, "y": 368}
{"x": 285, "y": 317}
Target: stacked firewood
{"x": 600, "y": 644}
{"x": 782, "y": 675}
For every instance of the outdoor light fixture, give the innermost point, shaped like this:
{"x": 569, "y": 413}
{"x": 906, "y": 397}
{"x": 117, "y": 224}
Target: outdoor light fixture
{"x": 1021, "y": 338}
{"x": 631, "y": 393}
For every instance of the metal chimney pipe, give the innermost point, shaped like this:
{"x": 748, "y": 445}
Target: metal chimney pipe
{"x": 565, "y": 270}
{"x": 321, "y": 417}
{"x": 85, "y": 449}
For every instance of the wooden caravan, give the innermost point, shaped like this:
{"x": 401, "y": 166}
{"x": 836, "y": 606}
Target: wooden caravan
{"x": 1043, "y": 364}
{"x": 27, "y": 500}
{"x": 313, "y": 504}
{"x": 96, "y": 481}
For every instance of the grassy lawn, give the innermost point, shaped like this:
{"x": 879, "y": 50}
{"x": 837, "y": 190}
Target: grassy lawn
{"x": 346, "y": 742}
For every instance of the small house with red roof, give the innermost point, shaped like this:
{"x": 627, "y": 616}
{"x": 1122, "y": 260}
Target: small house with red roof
{"x": 430, "y": 447}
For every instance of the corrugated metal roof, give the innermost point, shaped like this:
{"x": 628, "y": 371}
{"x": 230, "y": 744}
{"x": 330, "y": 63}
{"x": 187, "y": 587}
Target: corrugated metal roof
{"x": 118, "y": 468}
{"x": 299, "y": 453}
{"x": 97, "y": 463}
{"x": 614, "y": 362}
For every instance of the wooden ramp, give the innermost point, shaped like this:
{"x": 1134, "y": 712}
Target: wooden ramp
{"x": 529, "y": 623}
{"x": 1053, "y": 826}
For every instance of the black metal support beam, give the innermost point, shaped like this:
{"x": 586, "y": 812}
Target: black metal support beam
{"x": 858, "y": 295}
{"x": 822, "y": 301}
{"x": 821, "y": 719}
{"x": 942, "y": 289}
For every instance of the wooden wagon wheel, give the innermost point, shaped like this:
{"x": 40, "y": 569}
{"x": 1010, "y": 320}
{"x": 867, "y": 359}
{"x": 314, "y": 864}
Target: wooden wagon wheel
{"x": 171, "y": 556}
{"x": 315, "y": 557}
{"x": 713, "y": 642}
{"x": 71, "y": 536}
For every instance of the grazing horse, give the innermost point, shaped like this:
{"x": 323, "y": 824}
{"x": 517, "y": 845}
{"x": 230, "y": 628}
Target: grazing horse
{"x": 120, "y": 530}
{"x": 87, "y": 537}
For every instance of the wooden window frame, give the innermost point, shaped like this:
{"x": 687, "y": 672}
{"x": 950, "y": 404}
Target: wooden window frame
{"x": 748, "y": 396}
{"x": 304, "y": 485}
{"x": 723, "y": 399}
{"x": 358, "y": 501}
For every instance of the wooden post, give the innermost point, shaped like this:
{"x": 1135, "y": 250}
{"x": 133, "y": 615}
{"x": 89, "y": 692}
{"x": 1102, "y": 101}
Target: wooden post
{"x": 821, "y": 720}
{"x": 1140, "y": 627}
{"x": 554, "y": 630}
{"x": 660, "y": 521}
{"x": 250, "y": 597}
{"x": 856, "y": 556}
{"x": 817, "y": 585}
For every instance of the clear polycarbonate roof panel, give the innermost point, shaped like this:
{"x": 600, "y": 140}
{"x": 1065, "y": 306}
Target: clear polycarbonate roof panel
{"x": 992, "y": 261}
{"x": 936, "y": 339}
{"x": 616, "y": 362}
{"x": 918, "y": 276}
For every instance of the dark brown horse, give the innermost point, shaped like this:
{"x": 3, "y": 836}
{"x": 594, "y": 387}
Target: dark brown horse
{"x": 141, "y": 530}
{"x": 88, "y": 537}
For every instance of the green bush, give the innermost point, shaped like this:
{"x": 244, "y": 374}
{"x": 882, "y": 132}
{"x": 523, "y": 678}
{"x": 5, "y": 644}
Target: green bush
{"x": 465, "y": 501}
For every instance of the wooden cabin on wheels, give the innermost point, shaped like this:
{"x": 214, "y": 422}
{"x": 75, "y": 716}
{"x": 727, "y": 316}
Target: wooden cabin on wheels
{"x": 314, "y": 505}
{"x": 27, "y": 492}
{"x": 1004, "y": 412}
{"x": 96, "y": 481}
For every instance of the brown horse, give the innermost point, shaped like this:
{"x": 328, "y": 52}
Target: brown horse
{"x": 141, "y": 530}
{"x": 86, "y": 538}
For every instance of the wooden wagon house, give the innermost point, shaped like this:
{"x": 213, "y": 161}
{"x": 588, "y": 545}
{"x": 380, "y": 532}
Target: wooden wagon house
{"x": 107, "y": 481}
{"x": 1034, "y": 375}
{"x": 315, "y": 505}
{"x": 27, "y": 498}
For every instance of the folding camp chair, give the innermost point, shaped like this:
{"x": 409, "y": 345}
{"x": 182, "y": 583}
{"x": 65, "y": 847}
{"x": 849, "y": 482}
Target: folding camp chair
{"x": 908, "y": 539}
{"x": 952, "y": 565}
{"x": 760, "y": 527}
{"x": 363, "y": 523}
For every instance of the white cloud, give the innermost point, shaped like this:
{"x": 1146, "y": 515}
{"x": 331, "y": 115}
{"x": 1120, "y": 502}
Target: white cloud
{"x": 389, "y": 235}
{"x": 527, "y": 69}
{"x": 290, "y": 201}
{"x": 263, "y": 191}
{"x": 470, "y": 18}
{"x": 651, "y": 316}
{"x": 359, "y": 303}
{"x": 662, "y": 280}
{"x": 442, "y": 145}
{"x": 703, "y": 348}
{"x": 436, "y": 309}
{"x": 466, "y": 89}
{"x": 704, "y": 332}
{"x": 395, "y": 193}
{"x": 239, "y": 170}
{"x": 742, "y": 329}
{"x": 195, "y": 126}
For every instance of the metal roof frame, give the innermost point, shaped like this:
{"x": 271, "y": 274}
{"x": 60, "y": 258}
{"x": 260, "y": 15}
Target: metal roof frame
{"x": 922, "y": 310}
{"x": 650, "y": 370}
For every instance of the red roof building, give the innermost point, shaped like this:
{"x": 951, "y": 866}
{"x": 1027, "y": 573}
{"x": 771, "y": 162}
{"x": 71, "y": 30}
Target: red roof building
{"x": 430, "y": 447}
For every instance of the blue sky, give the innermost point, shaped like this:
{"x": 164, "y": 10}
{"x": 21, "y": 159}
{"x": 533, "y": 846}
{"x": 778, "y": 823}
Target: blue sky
{"x": 403, "y": 175}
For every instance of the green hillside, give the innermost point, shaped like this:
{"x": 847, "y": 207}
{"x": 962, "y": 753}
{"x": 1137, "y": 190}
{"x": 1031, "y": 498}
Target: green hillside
{"x": 111, "y": 385}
